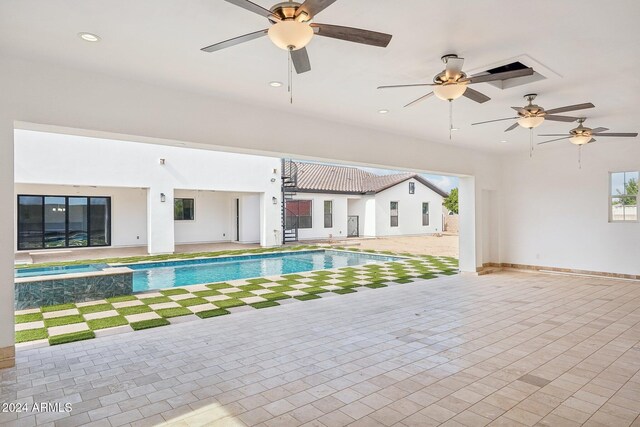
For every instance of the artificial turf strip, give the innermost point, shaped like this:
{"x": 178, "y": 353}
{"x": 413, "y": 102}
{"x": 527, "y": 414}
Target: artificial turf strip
{"x": 258, "y": 281}
{"x": 151, "y": 323}
{"x": 240, "y": 294}
{"x": 58, "y": 307}
{"x": 275, "y": 296}
{"x": 212, "y": 313}
{"x": 209, "y": 293}
{"x": 188, "y": 302}
{"x": 95, "y": 308}
{"x": 74, "y": 336}
{"x": 307, "y": 297}
{"x": 250, "y": 287}
{"x": 155, "y": 300}
{"x": 31, "y": 335}
{"x": 122, "y": 298}
{"x": 168, "y": 292}
{"x": 376, "y": 285}
{"x": 106, "y": 322}
{"x": 216, "y": 286}
{"x": 344, "y": 291}
{"x": 228, "y": 303}
{"x": 315, "y": 290}
{"x": 281, "y": 288}
{"x": 26, "y": 318}
{"x": 136, "y": 309}
{"x": 173, "y": 312}
{"x": 403, "y": 281}
{"x": 292, "y": 276}
{"x": 64, "y": 320}
{"x": 264, "y": 304}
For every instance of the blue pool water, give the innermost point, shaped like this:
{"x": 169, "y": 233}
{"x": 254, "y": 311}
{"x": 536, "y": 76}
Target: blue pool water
{"x": 47, "y": 271}
{"x": 158, "y": 275}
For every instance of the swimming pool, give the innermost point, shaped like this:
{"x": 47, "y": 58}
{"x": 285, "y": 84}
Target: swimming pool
{"x": 48, "y": 271}
{"x": 168, "y": 274}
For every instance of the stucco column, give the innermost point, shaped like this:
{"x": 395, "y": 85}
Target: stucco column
{"x": 7, "y": 221}
{"x": 160, "y": 224}
{"x": 469, "y": 251}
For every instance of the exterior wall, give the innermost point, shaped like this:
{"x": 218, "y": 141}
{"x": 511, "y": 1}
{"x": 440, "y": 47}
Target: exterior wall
{"x": 339, "y": 229}
{"x": 409, "y": 210}
{"x": 128, "y": 209}
{"x": 451, "y": 223}
{"x": 364, "y": 207}
{"x": 68, "y": 160}
{"x": 556, "y": 215}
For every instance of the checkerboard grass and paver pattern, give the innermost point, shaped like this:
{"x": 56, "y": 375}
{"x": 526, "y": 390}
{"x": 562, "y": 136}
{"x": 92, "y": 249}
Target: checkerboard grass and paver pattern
{"x": 73, "y": 322}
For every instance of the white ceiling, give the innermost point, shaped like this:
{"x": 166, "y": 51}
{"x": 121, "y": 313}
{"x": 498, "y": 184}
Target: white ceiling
{"x": 592, "y": 48}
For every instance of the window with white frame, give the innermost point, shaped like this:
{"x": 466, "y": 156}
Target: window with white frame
{"x": 623, "y": 196}
{"x": 425, "y": 213}
{"x": 394, "y": 214}
{"x": 328, "y": 214}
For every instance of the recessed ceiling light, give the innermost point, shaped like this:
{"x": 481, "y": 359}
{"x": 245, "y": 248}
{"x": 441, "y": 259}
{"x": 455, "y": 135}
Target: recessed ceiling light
{"x": 275, "y": 84}
{"x": 383, "y": 111}
{"x": 89, "y": 37}
{"x": 504, "y": 140}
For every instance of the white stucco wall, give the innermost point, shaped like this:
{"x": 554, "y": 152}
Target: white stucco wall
{"x": 339, "y": 229}
{"x": 554, "y": 214}
{"x": 364, "y": 207}
{"x": 409, "y": 210}
{"x": 207, "y": 176}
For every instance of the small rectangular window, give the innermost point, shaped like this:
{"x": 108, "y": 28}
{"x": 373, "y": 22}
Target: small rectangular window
{"x": 328, "y": 214}
{"x": 623, "y": 196}
{"x": 184, "y": 209}
{"x": 412, "y": 188}
{"x": 394, "y": 214}
{"x": 425, "y": 213}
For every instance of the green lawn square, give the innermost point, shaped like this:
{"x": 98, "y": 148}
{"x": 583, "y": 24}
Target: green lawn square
{"x": 228, "y": 303}
{"x": 155, "y": 300}
{"x": 179, "y": 291}
{"x": 275, "y": 296}
{"x": 315, "y": 290}
{"x": 209, "y": 293}
{"x": 281, "y": 288}
{"x": 347, "y": 284}
{"x": 288, "y": 282}
{"x": 95, "y": 308}
{"x": 31, "y": 335}
{"x": 74, "y": 336}
{"x": 107, "y": 322}
{"x": 64, "y": 320}
{"x": 58, "y": 307}
{"x": 122, "y": 298}
{"x": 27, "y": 318}
{"x": 173, "y": 312}
{"x": 317, "y": 284}
{"x": 376, "y": 285}
{"x": 151, "y": 323}
{"x": 136, "y": 309}
{"x": 344, "y": 291}
{"x": 292, "y": 276}
{"x": 240, "y": 294}
{"x": 250, "y": 287}
{"x": 216, "y": 286}
{"x": 188, "y": 302}
{"x": 264, "y": 304}
{"x": 307, "y": 297}
{"x": 212, "y": 313}
{"x": 258, "y": 281}
{"x": 403, "y": 281}
{"x": 427, "y": 276}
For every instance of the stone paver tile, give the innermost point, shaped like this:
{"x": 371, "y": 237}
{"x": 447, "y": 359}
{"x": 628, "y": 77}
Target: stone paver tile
{"x": 131, "y": 303}
{"x": 162, "y": 305}
{"x": 141, "y": 316}
{"x": 31, "y": 325}
{"x": 252, "y": 300}
{"x": 67, "y": 329}
{"x": 89, "y": 303}
{"x": 100, "y": 315}
{"x": 60, "y": 313}
{"x": 217, "y": 298}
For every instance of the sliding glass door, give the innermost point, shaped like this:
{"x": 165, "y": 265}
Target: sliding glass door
{"x": 63, "y": 221}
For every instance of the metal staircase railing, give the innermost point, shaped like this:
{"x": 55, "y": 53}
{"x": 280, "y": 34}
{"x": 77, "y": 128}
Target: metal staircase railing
{"x": 289, "y": 186}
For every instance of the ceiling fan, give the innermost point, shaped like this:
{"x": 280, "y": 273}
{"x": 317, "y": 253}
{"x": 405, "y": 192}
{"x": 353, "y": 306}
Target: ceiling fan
{"x": 291, "y": 29}
{"x": 532, "y": 115}
{"x": 582, "y": 135}
{"x": 452, "y": 83}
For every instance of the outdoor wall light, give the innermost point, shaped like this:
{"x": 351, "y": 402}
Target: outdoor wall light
{"x": 274, "y": 200}
{"x": 162, "y": 161}
{"x": 273, "y": 180}
{"x": 163, "y": 198}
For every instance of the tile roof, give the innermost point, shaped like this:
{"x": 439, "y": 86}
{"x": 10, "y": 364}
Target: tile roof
{"x": 316, "y": 177}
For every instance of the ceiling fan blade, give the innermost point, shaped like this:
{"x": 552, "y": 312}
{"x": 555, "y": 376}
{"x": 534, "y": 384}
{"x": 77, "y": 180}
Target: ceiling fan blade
{"x": 500, "y": 76}
{"x": 496, "y": 120}
{"x": 512, "y": 127}
{"x": 571, "y": 108}
{"x": 454, "y": 68}
{"x": 591, "y": 140}
{"x": 474, "y": 95}
{"x": 351, "y": 34}
{"x": 553, "y": 140}
{"x": 234, "y": 41}
{"x": 555, "y": 118}
{"x": 300, "y": 60}
{"x": 410, "y": 85}
{"x": 422, "y": 98}
{"x": 313, "y": 7}
{"x": 618, "y": 134}
{"x": 252, "y": 7}
{"x": 598, "y": 130}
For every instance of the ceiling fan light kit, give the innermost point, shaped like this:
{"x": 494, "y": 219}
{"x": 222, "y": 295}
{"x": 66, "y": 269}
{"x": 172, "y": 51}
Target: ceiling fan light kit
{"x": 449, "y": 92}
{"x": 530, "y": 122}
{"x": 290, "y": 35}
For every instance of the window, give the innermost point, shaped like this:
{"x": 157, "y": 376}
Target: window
{"x": 425, "y": 213}
{"x": 412, "y": 188}
{"x": 63, "y": 221}
{"x": 183, "y": 209}
{"x": 328, "y": 214}
{"x": 298, "y": 214}
{"x": 623, "y": 196}
{"x": 394, "y": 214}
